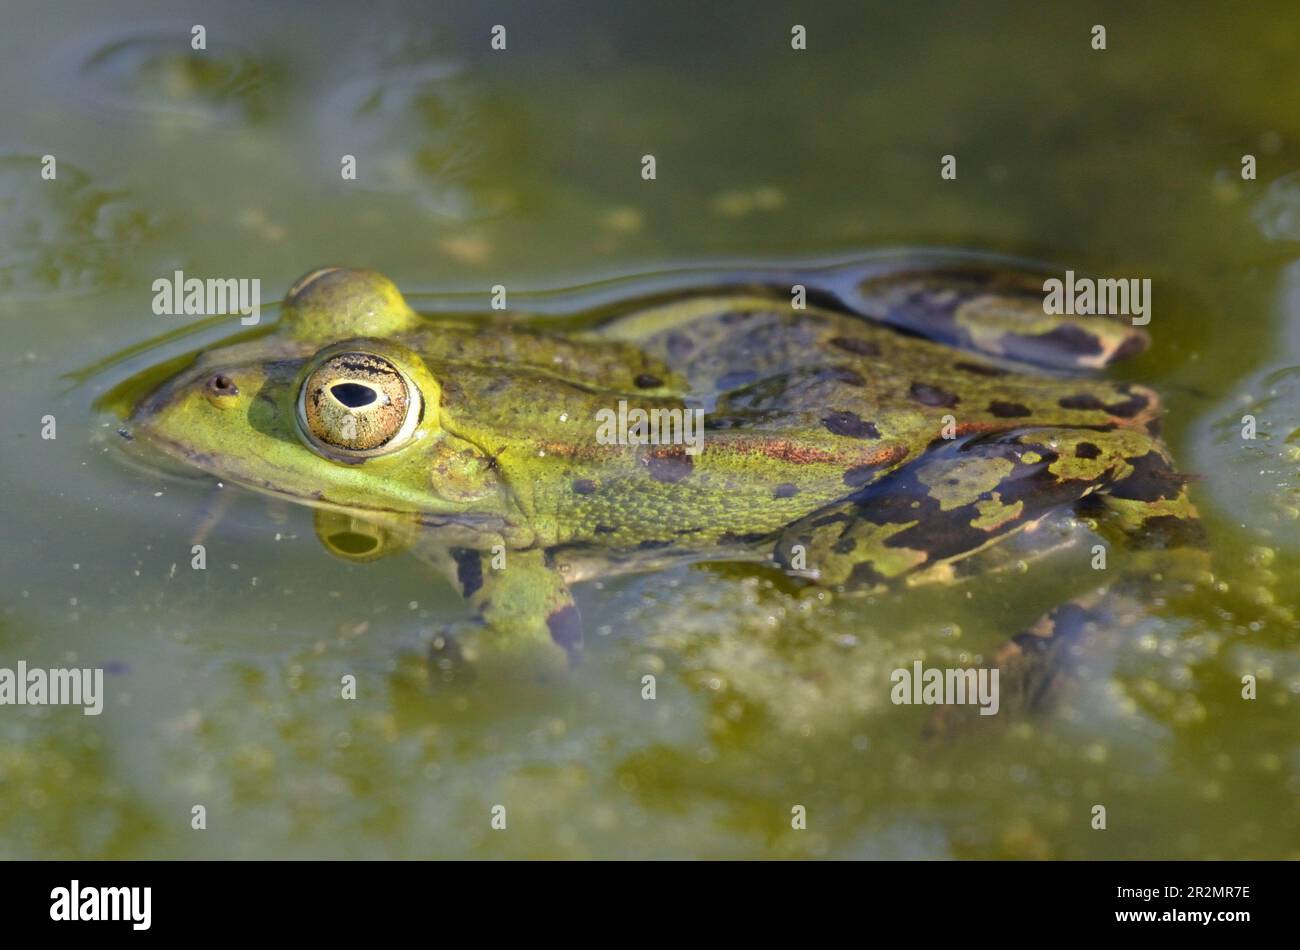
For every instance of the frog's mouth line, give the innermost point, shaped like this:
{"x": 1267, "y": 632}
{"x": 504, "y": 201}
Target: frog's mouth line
{"x": 197, "y": 464}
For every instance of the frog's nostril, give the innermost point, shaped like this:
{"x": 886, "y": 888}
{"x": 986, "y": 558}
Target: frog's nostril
{"x": 353, "y": 395}
{"x": 221, "y": 385}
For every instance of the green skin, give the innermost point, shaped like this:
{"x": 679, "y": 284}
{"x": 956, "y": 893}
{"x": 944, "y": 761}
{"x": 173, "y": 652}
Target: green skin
{"x": 835, "y": 446}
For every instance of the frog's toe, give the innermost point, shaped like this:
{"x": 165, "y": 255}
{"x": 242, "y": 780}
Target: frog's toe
{"x": 1037, "y": 668}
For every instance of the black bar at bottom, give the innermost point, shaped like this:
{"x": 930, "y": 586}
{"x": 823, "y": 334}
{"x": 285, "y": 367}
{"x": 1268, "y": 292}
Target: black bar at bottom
{"x": 209, "y": 899}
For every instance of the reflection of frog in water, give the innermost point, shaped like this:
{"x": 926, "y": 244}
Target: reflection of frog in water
{"x": 900, "y": 423}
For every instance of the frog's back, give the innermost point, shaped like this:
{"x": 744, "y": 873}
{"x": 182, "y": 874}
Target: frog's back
{"x": 797, "y": 409}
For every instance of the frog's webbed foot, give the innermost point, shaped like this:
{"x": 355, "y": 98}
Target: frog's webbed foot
{"x": 989, "y": 308}
{"x": 1036, "y": 668}
{"x": 526, "y": 626}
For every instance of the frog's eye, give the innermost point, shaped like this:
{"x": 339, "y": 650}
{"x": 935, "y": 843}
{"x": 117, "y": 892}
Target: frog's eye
{"x": 358, "y": 405}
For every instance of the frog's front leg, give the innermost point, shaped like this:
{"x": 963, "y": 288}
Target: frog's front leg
{"x": 526, "y": 625}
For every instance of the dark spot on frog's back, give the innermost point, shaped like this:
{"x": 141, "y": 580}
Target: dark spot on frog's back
{"x": 853, "y": 344}
{"x": 928, "y": 395}
{"x": 1125, "y": 408}
{"x": 1130, "y": 407}
{"x": 851, "y": 425}
{"x": 1086, "y": 450}
{"x": 785, "y": 490}
{"x": 584, "y": 486}
{"x": 1009, "y": 410}
{"x": 469, "y": 570}
{"x": 1085, "y": 401}
{"x": 648, "y": 381}
{"x": 669, "y": 465}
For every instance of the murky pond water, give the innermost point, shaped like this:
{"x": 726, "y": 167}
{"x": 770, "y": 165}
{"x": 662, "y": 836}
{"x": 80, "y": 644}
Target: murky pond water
{"x": 522, "y": 167}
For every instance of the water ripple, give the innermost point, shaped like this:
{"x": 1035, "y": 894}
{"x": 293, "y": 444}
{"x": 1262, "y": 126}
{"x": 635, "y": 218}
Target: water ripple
{"x": 62, "y": 235}
{"x": 158, "y": 72}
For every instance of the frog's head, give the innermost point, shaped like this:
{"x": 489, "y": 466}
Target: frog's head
{"x": 329, "y": 409}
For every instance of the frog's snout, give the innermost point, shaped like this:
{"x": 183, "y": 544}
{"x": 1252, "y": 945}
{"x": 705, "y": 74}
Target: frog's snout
{"x": 171, "y": 418}
{"x": 152, "y": 405}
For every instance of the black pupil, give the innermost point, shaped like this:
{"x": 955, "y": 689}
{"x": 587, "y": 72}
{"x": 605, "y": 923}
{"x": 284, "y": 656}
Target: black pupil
{"x": 353, "y": 395}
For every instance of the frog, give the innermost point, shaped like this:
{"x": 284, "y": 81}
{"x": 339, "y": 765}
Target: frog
{"x": 856, "y": 426}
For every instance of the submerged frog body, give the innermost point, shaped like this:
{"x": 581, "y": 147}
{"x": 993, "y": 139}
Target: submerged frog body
{"x": 912, "y": 414}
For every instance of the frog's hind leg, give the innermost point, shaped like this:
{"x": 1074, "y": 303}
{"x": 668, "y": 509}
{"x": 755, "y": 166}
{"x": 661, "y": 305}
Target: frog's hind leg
{"x": 918, "y": 522}
{"x": 1146, "y": 510}
{"x": 526, "y": 625}
{"x": 922, "y": 521}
